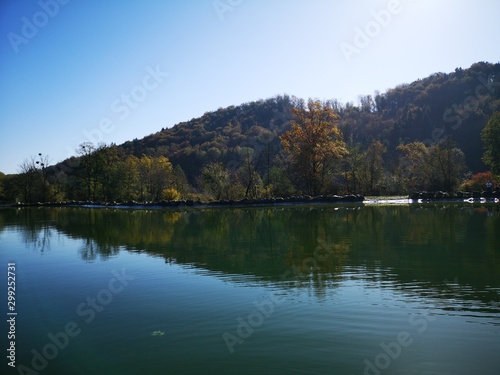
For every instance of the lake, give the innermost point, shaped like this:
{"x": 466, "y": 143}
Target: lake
{"x": 348, "y": 289}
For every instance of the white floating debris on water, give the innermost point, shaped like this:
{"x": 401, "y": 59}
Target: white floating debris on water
{"x": 157, "y": 333}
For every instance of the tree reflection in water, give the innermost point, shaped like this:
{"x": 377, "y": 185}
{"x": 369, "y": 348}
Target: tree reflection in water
{"x": 405, "y": 245}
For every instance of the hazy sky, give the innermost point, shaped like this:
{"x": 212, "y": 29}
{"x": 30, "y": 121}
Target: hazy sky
{"x": 73, "y": 71}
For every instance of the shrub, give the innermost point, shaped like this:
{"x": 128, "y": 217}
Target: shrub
{"x": 478, "y": 181}
{"x": 171, "y": 194}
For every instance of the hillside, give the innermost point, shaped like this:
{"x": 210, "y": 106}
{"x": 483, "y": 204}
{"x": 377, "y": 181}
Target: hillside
{"x": 456, "y": 105}
{"x": 445, "y": 111}
{"x": 226, "y": 135}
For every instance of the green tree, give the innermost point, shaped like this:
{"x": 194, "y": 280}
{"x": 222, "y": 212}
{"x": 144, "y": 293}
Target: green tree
{"x": 131, "y": 177}
{"x": 447, "y": 166}
{"x": 351, "y": 169}
{"x": 216, "y": 180}
{"x": 2, "y": 187}
{"x": 161, "y": 176}
{"x": 180, "y": 181}
{"x": 143, "y": 171}
{"x": 88, "y": 169}
{"x": 110, "y": 173}
{"x": 314, "y": 143}
{"x": 491, "y": 139}
{"x": 155, "y": 174}
{"x": 413, "y": 166}
{"x": 33, "y": 179}
{"x": 372, "y": 170}
{"x": 250, "y": 177}
{"x": 280, "y": 184}
{"x": 436, "y": 167}
{"x": 11, "y": 190}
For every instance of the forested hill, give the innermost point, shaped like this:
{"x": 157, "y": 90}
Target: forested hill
{"x": 227, "y": 135}
{"x": 425, "y": 135}
{"x": 455, "y": 105}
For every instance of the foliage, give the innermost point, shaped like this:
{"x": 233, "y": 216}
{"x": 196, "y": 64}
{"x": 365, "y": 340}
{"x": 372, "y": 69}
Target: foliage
{"x": 478, "y": 181}
{"x": 2, "y": 189}
{"x": 171, "y": 194}
{"x": 491, "y": 138}
{"x": 179, "y": 181}
{"x": 363, "y": 171}
{"x": 223, "y": 136}
{"x": 419, "y": 136}
{"x": 107, "y": 173}
{"x": 314, "y": 143}
{"x": 447, "y": 166}
{"x": 216, "y": 180}
{"x": 413, "y": 174}
{"x": 281, "y": 185}
{"x": 32, "y": 183}
{"x": 437, "y": 167}
{"x": 154, "y": 176}
{"x": 453, "y": 106}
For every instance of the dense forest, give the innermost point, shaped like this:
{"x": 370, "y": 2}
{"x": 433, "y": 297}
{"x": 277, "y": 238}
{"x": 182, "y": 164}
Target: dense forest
{"x": 437, "y": 133}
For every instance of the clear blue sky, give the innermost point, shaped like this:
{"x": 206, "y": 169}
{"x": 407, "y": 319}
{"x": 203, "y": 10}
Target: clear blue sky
{"x": 134, "y": 67}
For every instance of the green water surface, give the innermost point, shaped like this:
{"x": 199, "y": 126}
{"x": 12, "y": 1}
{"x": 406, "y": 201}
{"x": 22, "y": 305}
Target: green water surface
{"x": 371, "y": 289}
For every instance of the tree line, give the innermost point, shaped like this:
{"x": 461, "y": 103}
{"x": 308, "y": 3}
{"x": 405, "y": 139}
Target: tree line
{"x": 314, "y": 159}
{"x": 438, "y": 133}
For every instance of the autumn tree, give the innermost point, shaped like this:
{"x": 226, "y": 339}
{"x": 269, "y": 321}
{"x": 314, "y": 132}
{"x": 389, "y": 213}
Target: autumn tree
{"x": 314, "y": 143}
{"x": 491, "y": 139}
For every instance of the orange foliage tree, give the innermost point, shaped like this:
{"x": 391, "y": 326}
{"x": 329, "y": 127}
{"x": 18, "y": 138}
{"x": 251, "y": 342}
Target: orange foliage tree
{"x": 313, "y": 144}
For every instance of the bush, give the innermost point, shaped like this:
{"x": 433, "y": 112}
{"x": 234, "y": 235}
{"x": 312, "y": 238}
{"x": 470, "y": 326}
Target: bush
{"x": 478, "y": 181}
{"x": 171, "y": 194}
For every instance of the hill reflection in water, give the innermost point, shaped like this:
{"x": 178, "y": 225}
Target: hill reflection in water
{"x": 418, "y": 249}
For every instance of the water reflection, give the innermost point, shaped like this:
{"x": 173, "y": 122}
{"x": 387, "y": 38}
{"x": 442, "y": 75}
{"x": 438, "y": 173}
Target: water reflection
{"x": 416, "y": 249}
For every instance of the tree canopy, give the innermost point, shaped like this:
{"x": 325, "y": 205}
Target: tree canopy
{"x": 314, "y": 142}
{"x": 285, "y": 145}
{"x": 491, "y": 139}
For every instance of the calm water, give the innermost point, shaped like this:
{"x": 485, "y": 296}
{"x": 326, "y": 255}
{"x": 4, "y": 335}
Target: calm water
{"x": 304, "y": 290}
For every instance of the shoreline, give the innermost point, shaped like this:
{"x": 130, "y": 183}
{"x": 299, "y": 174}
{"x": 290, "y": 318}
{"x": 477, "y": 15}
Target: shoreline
{"x": 415, "y": 198}
{"x": 188, "y": 203}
